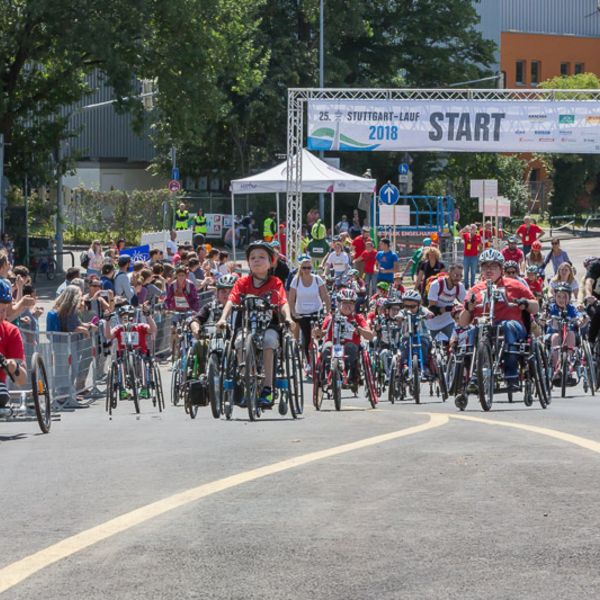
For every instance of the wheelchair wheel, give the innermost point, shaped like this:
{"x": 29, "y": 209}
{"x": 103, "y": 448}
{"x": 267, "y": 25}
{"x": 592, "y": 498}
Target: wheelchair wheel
{"x": 158, "y": 388}
{"x": 590, "y": 372}
{"x": 213, "y": 382}
{"x": 251, "y": 379}
{"x": 112, "y": 387}
{"x": 336, "y": 383}
{"x": 485, "y": 375}
{"x": 415, "y": 383}
{"x": 41, "y": 393}
{"x": 175, "y": 382}
{"x": 537, "y": 373}
{"x": 370, "y": 385}
{"x": 293, "y": 372}
{"x": 132, "y": 382}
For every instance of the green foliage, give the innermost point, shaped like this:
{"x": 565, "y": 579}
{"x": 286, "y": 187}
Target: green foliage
{"x": 574, "y": 176}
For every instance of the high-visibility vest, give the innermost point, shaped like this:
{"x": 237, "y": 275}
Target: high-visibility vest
{"x": 269, "y": 227}
{"x": 318, "y": 231}
{"x": 181, "y": 219}
{"x": 200, "y": 224}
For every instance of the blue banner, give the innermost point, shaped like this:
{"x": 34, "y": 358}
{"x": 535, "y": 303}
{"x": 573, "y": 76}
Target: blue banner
{"x": 138, "y": 252}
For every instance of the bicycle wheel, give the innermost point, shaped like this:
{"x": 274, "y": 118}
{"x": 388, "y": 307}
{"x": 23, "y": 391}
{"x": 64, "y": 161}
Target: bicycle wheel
{"x": 157, "y": 382}
{"x": 441, "y": 376}
{"x": 132, "y": 382}
{"x": 51, "y": 269}
{"x": 393, "y": 380}
{"x": 485, "y": 375}
{"x": 318, "y": 381}
{"x": 213, "y": 376}
{"x": 336, "y": 383}
{"x": 370, "y": 386}
{"x": 41, "y": 393}
{"x": 451, "y": 374}
{"x": 251, "y": 379}
{"x": 589, "y": 366}
{"x": 229, "y": 379}
{"x": 293, "y": 369}
{"x": 112, "y": 385}
{"x": 175, "y": 382}
{"x": 415, "y": 384}
{"x": 564, "y": 373}
{"x": 192, "y": 409}
{"x": 536, "y": 372}
{"x": 546, "y": 371}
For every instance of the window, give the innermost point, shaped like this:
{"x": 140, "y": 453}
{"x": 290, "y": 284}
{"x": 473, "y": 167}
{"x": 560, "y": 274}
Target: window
{"x": 565, "y": 69}
{"x": 579, "y": 68}
{"x": 536, "y": 68}
{"x": 520, "y": 72}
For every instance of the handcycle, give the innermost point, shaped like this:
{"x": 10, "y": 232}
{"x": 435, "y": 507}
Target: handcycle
{"x": 33, "y": 402}
{"x": 486, "y": 360}
{"x": 244, "y": 364}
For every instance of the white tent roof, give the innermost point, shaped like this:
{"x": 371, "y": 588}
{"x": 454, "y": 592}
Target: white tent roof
{"x": 317, "y": 177}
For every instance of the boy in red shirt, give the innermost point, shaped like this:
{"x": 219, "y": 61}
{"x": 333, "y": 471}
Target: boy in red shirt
{"x": 528, "y": 232}
{"x": 365, "y": 262}
{"x": 535, "y": 282}
{"x": 261, "y": 282}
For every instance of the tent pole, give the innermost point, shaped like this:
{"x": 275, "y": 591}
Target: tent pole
{"x": 278, "y": 218}
{"x": 332, "y": 215}
{"x": 233, "y": 224}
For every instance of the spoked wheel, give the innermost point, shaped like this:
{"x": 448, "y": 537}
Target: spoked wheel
{"x": 157, "y": 381}
{"x": 229, "y": 379}
{"x": 175, "y": 382}
{"x": 192, "y": 409}
{"x": 251, "y": 379}
{"x": 369, "y": 379}
{"x": 537, "y": 374}
{"x": 415, "y": 384}
{"x": 112, "y": 387}
{"x": 485, "y": 375}
{"x": 41, "y": 393}
{"x": 293, "y": 369}
{"x": 564, "y": 373}
{"x": 132, "y": 383}
{"x": 318, "y": 383}
{"x": 590, "y": 371}
{"x": 451, "y": 374}
{"x": 394, "y": 380}
{"x": 213, "y": 382}
{"x": 336, "y": 383}
{"x": 441, "y": 377}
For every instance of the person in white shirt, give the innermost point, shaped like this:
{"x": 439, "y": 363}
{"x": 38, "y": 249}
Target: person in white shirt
{"x": 172, "y": 245}
{"x": 444, "y": 294}
{"x": 337, "y": 260}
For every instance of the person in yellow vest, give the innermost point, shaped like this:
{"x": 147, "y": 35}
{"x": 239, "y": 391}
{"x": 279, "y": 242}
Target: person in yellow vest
{"x": 200, "y": 223}
{"x": 182, "y": 217}
{"x": 270, "y": 227}
{"x": 318, "y": 230}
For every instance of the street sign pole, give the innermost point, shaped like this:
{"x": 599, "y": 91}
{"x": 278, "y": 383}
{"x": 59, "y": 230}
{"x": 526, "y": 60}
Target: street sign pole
{"x": 2, "y": 182}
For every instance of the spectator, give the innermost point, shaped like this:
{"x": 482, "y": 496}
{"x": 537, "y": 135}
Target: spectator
{"x": 557, "y": 256}
{"x": 8, "y": 246}
{"x": 355, "y": 226}
{"x": 95, "y": 259}
{"x": 471, "y": 250}
{"x": 337, "y": 260}
{"x": 488, "y": 233}
{"x": 564, "y": 275}
{"x": 343, "y": 225}
{"x": 122, "y": 282}
{"x": 281, "y": 270}
{"x": 171, "y": 245}
{"x": 28, "y": 319}
{"x": 223, "y": 259}
{"x": 107, "y": 277}
{"x": 415, "y": 260}
{"x": 366, "y": 263}
{"x": 528, "y": 232}
{"x": 387, "y": 262}
{"x": 72, "y": 273}
{"x": 359, "y": 243}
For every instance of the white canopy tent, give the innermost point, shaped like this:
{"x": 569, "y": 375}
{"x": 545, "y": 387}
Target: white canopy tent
{"x": 317, "y": 177}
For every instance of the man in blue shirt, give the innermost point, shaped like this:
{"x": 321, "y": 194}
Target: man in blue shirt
{"x": 387, "y": 262}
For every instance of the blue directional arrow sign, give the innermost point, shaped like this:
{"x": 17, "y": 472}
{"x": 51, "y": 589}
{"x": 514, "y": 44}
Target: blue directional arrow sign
{"x": 175, "y": 173}
{"x": 389, "y": 194}
{"x": 403, "y": 169}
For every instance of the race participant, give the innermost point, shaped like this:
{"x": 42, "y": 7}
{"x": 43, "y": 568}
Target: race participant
{"x": 359, "y": 243}
{"x": 261, "y": 282}
{"x": 365, "y": 263}
{"x": 415, "y": 259}
{"x": 381, "y": 291}
{"x": 592, "y": 294}
{"x": 337, "y": 260}
{"x": 511, "y": 269}
{"x": 472, "y": 246}
{"x": 535, "y": 282}
{"x": 510, "y": 317}
{"x": 387, "y": 262}
{"x": 528, "y": 232}
{"x": 140, "y": 333}
{"x": 411, "y": 308}
{"x": 358, "y": 328}
{"x": 307, "y": 295}
{"x": 444, "y": 294}
{"x": 281, "y": 270}
{"x": 430, "y": 266}
{"x": 182, "y": 295}
{"x": 511, "y": 252}
{"x": 211, "y": 312}
{"x": 397, "y": 288}
{"x": 11, "y": 345}
{"x": 386, "y": 312}
{"x": 562, "y": 304}
{"x": 564, "y": 276}
{"x": 535, "y": 257}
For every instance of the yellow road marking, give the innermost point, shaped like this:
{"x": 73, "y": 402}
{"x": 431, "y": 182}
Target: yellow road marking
{"x": 16, "y": 572}
{"x": 553, "y": 433}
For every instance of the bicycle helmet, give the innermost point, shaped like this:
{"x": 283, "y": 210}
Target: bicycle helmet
{"x": 303, "y": 258}
{"x": 260, "y": 246}
{"x": 275, "y": 244}
{"x": 513, "y": 239}
{"x": 353, "y": 272}
{"x": 536, "y": 245}
{"x": 491, "y": 256}
{"x": 5, "y": 293}
{"x": 381, "y": 303}
{"x": 226, "y": 281}
{"x": 347, "y": 295}
{"x": 533, "y": 269}
{"x": 427, "y": 241}
{"x": 511, "y": 264}
{"x": 411, "y": 296}
{"x": 393, "y": 301}
{"x": 126, "y": 310}
{"x": 563, "y": 287}
{"x": 384, "y": 285}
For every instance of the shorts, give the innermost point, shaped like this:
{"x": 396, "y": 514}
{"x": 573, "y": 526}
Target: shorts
{"x": 270, "y": 340}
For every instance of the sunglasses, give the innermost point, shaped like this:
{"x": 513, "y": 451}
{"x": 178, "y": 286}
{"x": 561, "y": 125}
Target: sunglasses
{"x": 511, "y": 272}
{"x": 306, "y": 268}
{"x": 555, "y": 243}
{"x": 410, "y": 306}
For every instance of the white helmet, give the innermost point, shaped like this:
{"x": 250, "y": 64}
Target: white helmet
{"x": 412, "y": 295}
{"x": 490, "y": 255}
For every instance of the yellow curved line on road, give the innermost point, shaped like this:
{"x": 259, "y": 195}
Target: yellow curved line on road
{"x": 553, "y": 433}
{"x": 16, "y": 572}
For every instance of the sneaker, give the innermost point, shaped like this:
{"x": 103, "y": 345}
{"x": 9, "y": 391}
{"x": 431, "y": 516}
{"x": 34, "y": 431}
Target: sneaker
{"x": 265, "y": 400}
{"x": 123, "y": 395}
{"x": 144, "y": 393}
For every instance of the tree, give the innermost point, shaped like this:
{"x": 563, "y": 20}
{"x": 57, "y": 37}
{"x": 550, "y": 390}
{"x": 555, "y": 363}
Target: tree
{"x": 574, "y": 176}
{"x": 49, "y": 49}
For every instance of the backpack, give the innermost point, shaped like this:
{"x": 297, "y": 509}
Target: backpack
{"x": 440, "y": 277}
{"x": 84, "y": 259}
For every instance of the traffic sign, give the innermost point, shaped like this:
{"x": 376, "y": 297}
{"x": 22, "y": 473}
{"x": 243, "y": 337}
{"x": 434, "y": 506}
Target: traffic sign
{"x": 174, "y": 185}
{"x": 389, "y": 194}
{"x": 403, "y": 178}
{"x": 175, "y": 173}
{"x": 403, "y": 168}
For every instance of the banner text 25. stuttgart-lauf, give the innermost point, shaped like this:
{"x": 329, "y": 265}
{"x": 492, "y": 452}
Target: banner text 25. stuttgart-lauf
{"x": 455, "y": 125}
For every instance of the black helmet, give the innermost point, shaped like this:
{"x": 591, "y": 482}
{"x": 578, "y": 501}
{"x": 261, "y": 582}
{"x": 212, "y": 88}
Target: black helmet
{"x": 262, "y": 246}
{"x": 563, "y": 287}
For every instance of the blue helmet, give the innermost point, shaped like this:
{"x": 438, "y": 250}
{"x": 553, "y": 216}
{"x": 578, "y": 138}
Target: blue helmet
{"x": 5, "y": 292}
{"x": 427, "y": 242}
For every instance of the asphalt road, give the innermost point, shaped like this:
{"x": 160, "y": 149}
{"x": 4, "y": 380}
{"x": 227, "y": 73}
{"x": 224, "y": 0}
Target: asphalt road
{"x": 404, "y": 501}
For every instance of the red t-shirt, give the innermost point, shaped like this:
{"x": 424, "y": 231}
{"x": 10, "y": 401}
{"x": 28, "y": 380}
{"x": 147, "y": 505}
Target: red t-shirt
{"x": 245, "y": 285}
{"x": 472, "y": 242}
{"x": 356, "y": 320}
{"x": 516, "y": 254}
{"x": 488, "y": 236}
{"x": 515, "y": 290}
{"x": 529, "y": 234}
{"x": 358, "y": 243}
{"x": 368, "y": 259}
{"x": 11, "y": 344}
{"x": 536, "y": 286}
{"x": 140, "y": 332}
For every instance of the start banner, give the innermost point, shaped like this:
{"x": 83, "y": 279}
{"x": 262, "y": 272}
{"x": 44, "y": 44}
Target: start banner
{"x": 455, "y": 125}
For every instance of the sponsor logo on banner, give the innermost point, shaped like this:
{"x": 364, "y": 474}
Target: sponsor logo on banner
{"x": 247, "y": 186}
{"x": 546, "y": 139}
{"x": 566, "y": 119}
{"x": 592, "y": 120}
{"x": 568, "y": 139}
{"x": 536, "y": 118}
{"x": 525, "y": 139}
{"x": 541, "y": 132}
{"x": 519, "y": 131}
{"x": 565, "y": 132}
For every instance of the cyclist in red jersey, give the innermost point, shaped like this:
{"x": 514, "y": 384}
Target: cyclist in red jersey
{"x": 512, "y": 252}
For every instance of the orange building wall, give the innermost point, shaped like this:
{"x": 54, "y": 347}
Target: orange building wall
{"x": 550, "y": 50}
